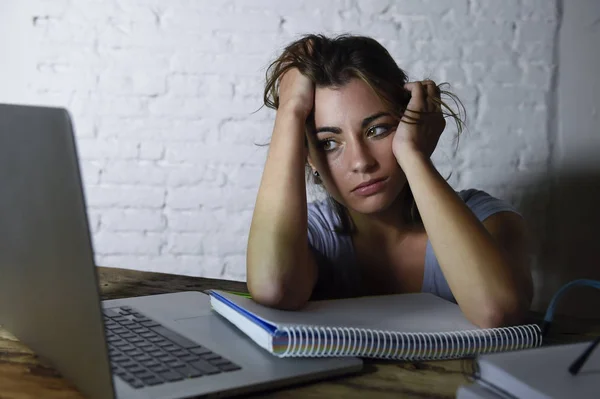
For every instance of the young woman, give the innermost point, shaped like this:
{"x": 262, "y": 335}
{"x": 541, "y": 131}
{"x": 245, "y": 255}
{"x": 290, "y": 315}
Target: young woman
{"x": 391, "y": 223}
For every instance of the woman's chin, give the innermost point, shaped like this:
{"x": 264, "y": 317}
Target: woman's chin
{"x": 371, "y": 204}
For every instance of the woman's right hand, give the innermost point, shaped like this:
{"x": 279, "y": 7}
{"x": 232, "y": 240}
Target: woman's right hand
{"x": 296, "y": 92}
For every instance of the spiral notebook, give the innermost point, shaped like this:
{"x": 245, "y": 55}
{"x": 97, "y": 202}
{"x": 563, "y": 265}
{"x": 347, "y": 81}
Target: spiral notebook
{"x": 407, "y": 326}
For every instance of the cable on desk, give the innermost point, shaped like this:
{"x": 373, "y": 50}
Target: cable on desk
{"x": 552, "y": 306}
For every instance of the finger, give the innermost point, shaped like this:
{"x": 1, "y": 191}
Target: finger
{"x": 433, "y": 97}
{"x": 417, "y": 97}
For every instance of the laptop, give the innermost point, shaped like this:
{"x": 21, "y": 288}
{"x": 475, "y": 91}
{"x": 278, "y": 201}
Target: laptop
{"x": 158, "y": 346}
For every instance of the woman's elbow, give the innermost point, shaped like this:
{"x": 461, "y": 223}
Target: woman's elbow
{"x": 275, "y": 295}
{"x": 502, "y": 313}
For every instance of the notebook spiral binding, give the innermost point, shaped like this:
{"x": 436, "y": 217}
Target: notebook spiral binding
{"x": 314, "y": 341}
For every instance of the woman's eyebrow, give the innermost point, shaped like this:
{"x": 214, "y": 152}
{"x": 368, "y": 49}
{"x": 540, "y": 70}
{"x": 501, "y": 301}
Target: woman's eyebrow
{"x": 364, "y": 123}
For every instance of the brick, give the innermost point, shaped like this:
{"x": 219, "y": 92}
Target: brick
{"x": 224, "y": 244}
{"x": 245, "y": 177}
{"x": 195, "y": 197}
{"x": 498, "y": 73}
{"x": 94, "y": 220}
{"x": 373, "y": 6}
{"x": 98, "y": 149}
{"x": 246, "y": 133}
{"x": 542, "y": 31}
{"x": 186, "y": 243}
{"x": 538, "y": 75}
{"x": 152, "y": 263}
{"x": 200, "y": 153}
{"x": 84, "y": 126}
{"x": 125, "y": 197}
{"x": 194, "y": 220}
{"x": 133, "y": 220}
{"x": 134, "y": 173}
{"x": 509, "y": 96}
{"x": 234, "y": 268}
{"x": 539, "y": 10}
{"x": 196, "y": 175}
{"x": 150, "y": 150}
{"x": 109, "y": 243}
{"x": 143, "y": 83}
{"x": 184, "y": 85}
{"x": 109, "y": 105}
{"x": 90, "y": 172}
{"x": 508, "y": 10}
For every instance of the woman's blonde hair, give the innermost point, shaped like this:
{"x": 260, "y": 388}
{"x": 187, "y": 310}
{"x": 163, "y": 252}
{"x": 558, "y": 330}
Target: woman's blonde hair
{"x": 333, "y": 62}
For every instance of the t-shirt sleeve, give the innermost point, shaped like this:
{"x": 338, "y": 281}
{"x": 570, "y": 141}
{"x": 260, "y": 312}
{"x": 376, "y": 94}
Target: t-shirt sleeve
{"x": 484, "y": 205}
{"x": 337, "y": 275}
{"x": 319, "y": 242}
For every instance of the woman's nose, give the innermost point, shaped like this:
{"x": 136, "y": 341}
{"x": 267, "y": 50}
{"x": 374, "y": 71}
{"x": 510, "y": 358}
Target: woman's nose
{"x": 360, "y": 156}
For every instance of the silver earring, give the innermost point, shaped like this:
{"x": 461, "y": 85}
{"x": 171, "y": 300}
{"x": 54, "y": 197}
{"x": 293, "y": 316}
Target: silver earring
{"x": 315, "y": 173}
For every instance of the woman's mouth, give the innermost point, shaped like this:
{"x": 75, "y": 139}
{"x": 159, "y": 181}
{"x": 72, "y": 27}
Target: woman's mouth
{"x": 370, "y": 187}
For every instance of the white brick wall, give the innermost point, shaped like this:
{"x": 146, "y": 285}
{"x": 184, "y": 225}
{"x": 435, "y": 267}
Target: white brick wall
{"x": 163, "y": 94}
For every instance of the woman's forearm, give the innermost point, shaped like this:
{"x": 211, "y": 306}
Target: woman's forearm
{"x": 474, "y": 265}
{"x": 280, "y": 269}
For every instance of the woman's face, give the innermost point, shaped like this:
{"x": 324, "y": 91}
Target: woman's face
{"x": 353, "y": 145}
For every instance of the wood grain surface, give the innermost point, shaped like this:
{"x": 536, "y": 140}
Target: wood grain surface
{"x": 24, "y": 375}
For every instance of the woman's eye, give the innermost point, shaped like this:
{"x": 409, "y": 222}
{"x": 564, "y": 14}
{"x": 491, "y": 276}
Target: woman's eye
{"x": 328, "y": 145}
{"x": 378, "y": 130}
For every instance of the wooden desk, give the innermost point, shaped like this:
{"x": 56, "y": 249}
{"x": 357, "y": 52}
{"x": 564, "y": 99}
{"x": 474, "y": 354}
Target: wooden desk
{"x": 23, "y": 375}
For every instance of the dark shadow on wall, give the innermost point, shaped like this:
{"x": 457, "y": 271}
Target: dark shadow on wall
{"x": 564, "y": 216}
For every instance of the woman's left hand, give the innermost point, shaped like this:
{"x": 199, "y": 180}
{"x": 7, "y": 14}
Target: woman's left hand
{"x": 420, "y": 132}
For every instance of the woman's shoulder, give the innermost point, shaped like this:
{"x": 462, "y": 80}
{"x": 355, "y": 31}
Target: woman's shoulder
{"x": 483, "y": 204}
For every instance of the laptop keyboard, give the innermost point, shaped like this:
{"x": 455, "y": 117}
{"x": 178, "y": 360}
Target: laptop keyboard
{"x": 144, "y": 353}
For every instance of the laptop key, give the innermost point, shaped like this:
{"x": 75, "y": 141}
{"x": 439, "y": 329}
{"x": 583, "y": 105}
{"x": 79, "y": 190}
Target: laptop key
{"x": 110, "y": 313}
{"x": 200, "y": 350}
{"x": 143, "y": 357}
{"x": 157, "y": 353}
{"x": 129, "y": 364}
{"x": 175, "y": 363}
{"x": 158, "y": 368}
{"x": 139, "y": 329}
{"x": 150, "y": 363}
{"x": 205, "y": 367}
{"x": 137, "y": 384}
{"x": 144, "y": 374}
{"x": 128, "y": 335}
{"x": 190, "y": 358}
{"x": 210, "y": 356}
{"x": 119, "y": 358}
{"x": 172, "y": 348}
{"x": 171, "y": 376}
{"x": 137, "y": 369}
{"x": 175, "y": 337}
{"x": 112, "y": 326}
{"x": 144, "y": 344}
{"x": 229, "y": 367}
{"x": 180, "y": 352}
{"x": 150, "y": 323}
{"x": 135, "y": 353}
{"x": 190, "y": 372}
{"x": 217, "y": 362}
{"x": 154, "y": 380}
